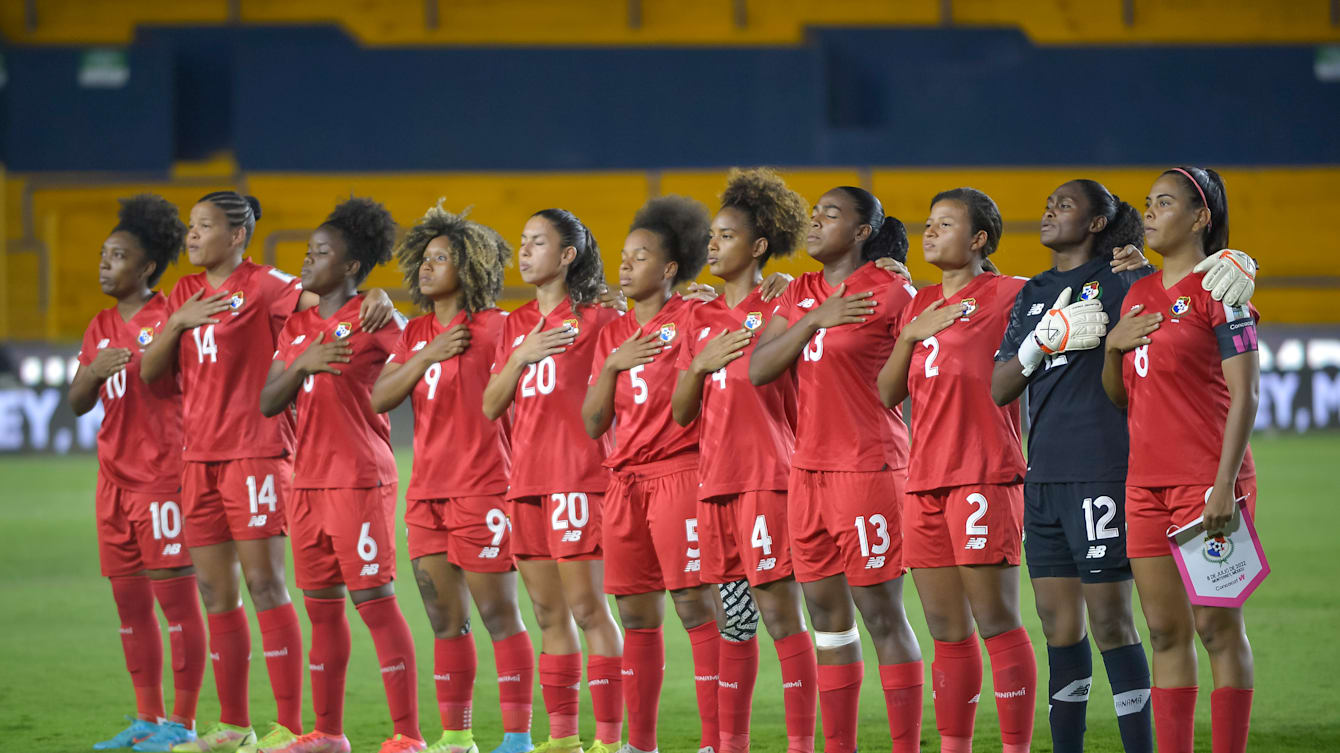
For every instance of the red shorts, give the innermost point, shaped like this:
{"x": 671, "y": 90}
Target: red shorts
{"x": 558, "y": 526}
{"x": 471, "y": 531}
{"x": 343, "y": 537}
{"x": 235, "y": 500}
{"x": 1152, "y": 512}
{"x": 982, "y": 524}
{"x": 744, "y": 536}
{"x": 138, "y": 531}
{"x": 846, "y": 522}
{"x": 651, "y": 528}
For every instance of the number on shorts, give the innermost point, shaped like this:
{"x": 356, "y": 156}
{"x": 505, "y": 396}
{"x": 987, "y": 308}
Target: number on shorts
{"x": 934, "y": 345}
{"x": 166, "y": 517}
{"x": 367, "y": 546}
{"x": 881, "y": 526}
{"x": 971, "y": 528}
{"x": 116, "y": 384}
{"x": 1141, "y": 360}
{"x": 430, "y": 377}
{"x": 264, "y": 495}
{"x": 1103, "y": 529}
{"x": 814, "y": 349}
{"x": 691, "y": 539}
{"x": 570, "y": 510}
{"x": 760, "y": 539}
{"x": 496, "y": 521}
{"x": 204, "y": 343}
{"x": 639, "y": 384}
{"x": 540, "y": 377}
{"x": 719, "y": 376}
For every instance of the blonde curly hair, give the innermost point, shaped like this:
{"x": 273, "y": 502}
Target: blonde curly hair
{"x": 478, "y": 252}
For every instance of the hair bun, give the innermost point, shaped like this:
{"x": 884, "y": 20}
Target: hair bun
{"x": 255, "y": 206}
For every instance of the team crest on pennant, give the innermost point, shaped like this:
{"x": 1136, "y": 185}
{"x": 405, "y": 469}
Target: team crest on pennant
{"x": 1090, "y": 291}
{"x": 146, "y": 336}
{"x": 236, "y": 301}
{"x": 753, "y": 321}
{"x": 343, "y": 329}
{"x": 573, "y": 324}
{"x": 1217, "y": 549}
{"x": 1181, "y": 305}
{"x": 969, "y": 305}
{"x": 667, "y": 332}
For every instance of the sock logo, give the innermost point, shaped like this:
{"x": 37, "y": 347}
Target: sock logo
{"x": 508, "y": 678}
{"x": 444, "y": 677}
{"x": 316, "y": 667}
{"x": 795, "y": 684}
{"x": 1130, "y": 702}
{"x": 394, "y": 668}
{"x": 1076, "y": 692}
{"x": 1020, "y": 693}
{"x": 729, "y": 685}
{"x": 275, "y": 654}
{"x": 599, "y": 682}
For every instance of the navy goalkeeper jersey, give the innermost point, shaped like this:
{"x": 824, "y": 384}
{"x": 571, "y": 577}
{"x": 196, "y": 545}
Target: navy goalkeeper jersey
{"x": 1075, "y": 432}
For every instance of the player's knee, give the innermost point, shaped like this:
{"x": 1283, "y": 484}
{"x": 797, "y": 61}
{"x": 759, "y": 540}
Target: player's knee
{"x": 267, "y": 590}
{"x": 1168, "y": 634}
{"x": 1113, "y": 629}
{"x": 739, "y": 614}
{"x": 445, "y": 621}
{"x": 588, "y": 614}
{"x": 1218, "y": 630}
{"x": 835, "y": 640}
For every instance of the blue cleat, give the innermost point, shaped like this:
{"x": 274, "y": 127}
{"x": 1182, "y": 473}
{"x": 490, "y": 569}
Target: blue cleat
{"x": 138, "y": 731}
{"x": 168, "y": 735}
{"x": 515, "y": 742}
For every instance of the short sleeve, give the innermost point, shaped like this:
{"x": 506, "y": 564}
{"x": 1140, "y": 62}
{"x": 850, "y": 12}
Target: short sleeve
{"x": 283, "y": 290}
{"x": 503, "y": 351}
{"x": 489, "y": 331}
{"x": 176, "y": 297}
{"x": 899, "y": 298}
{"x": 88, "y": 349}
{"x": 692, "y": 346}
{"x": 604, "y": 346}
{"x": 401, "y": 350}
{"x": 1017, "y": 328}
{"x": 390, "y": 336}
{"x": 284, "y": 349}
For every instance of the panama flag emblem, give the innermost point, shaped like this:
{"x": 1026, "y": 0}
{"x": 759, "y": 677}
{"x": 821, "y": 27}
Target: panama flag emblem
{"x": 573, "y": 324}
{"x": 1217, "y": 548}
{"x": 236, "y": 301}
{"x": 969, "y": 306}
{"x": 1090, "y": 291}
{"x": 667, "y": 332}
{"x": 753, "y": 321}
{"x": 343, "y": 329}
{"x": 146, "y": 336}
{"x": 1182, "y": 305}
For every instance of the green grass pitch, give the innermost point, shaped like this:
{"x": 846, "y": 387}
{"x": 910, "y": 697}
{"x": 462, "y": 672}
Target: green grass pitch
{"x": 63, "y": 683}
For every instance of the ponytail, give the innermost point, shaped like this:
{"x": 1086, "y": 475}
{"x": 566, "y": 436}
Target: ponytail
{"x": 888, "y": 237}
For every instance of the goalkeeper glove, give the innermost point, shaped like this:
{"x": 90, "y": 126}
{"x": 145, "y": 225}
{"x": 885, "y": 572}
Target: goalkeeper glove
{"x": 1067, "y": 326}
{"x": 1230, "y": 276}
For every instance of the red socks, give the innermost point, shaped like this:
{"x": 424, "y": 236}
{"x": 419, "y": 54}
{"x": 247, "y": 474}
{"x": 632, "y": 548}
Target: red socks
{"x": 180, "y": 602}
{"x": 395, "y": 654}
{"x": 1014, "y": 676}
{"x": 560, "y": 682}
{"x": 706, "y": 642}
{"x": 281, "y": 641}
{"x": 604, "y": 680}
{"x": 1230, "y": 717}
{"x": 328, "y": 661}
{"x": 454, "y": 668}
{"x": 643, "y": 671}
{"x": 230, "y": 650}
{"x": 840, "y": 698}
{"x": 1175, "y": 718}
{"x": 800, "y": 688}
{"x": 735, "y": 693}
{"x": 142, "y": 643}
{"x": 516, "y": 680}
{"x": 956, "y": 681}
{"x": 902, "y": 685}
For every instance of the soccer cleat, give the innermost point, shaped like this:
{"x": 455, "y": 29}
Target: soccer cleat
{"x": 221, "y": 738}
{"x": 276, "y": 738}
{"x": 571, "y": 744}
{"x": 312, "y": 742}
{"x": 602, "y": 747}
{"x": 628, "y": 748}
{"x": 401, "y": 744}
{"x": 445, "y": 745}
{"x": 515, "y": 742}
{"x": 138, "y": 731}
{"x": 169, "y": 734}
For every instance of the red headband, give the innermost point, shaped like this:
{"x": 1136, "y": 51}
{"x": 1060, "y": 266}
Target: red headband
{"x": 1200, "y": 191}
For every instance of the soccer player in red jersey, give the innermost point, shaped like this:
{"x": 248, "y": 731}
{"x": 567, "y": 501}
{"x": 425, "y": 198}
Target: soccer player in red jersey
{"x": 1185, "y": 369}
{"x": 221, "y": 328}
{"x": 963, "y": 520}
{"x": 747, "y": 435}
{"x": 557, "y": 484}
{"x": 847, "y": 473}
{"x": 459, "y": 543}
{"x": 139, "y": 475}
{"x": 650, "y": 525}
{"x": 342, "y": 514}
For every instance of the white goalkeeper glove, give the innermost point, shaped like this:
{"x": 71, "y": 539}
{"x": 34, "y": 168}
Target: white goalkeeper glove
{"x": 1067, "y": 326}
{"x": 1230, "y": 276}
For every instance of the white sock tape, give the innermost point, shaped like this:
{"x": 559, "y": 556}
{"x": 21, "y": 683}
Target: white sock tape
{"x": 836, "y": 640}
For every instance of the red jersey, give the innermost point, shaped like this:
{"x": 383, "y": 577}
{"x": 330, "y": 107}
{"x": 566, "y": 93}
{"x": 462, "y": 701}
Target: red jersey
{"x": 458, "y": 452}
{"x": 644, "y": 427}
{"x": 746, "y": 433}
{"x": 139, "y": 443}
{"x": 550, "y": 449}
{"x": 342, "y": 444}
{"x": 842, "y": 425}
{"x": 223, "y": 366}
{"x": 1177, "y": 400}
{"x": 959, "y": 435}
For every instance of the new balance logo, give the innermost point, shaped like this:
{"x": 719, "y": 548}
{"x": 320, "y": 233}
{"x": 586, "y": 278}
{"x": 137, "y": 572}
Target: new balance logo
{"x": 1036, "y": 309}
{"x": 1076, "y": 692}
{"x": 104, "y": 342}
{"x": 692, "y": 566}
{"x": 572, "y": 534}
{"x": 257, "y": 521}
{"x": 370, "y": 569}
{"x": 488, "y": 553}
{"x": 706, "y": 331}
{"x": 874, "y": 563}
{"x": 419, "y": 345}
{"x": 767, "y": 563}
{"x": 976, "y": 542}
{"x": 298, "y": 340}
{"x": 171, "y": 549}
{"x": 808, "y": 303}
{"x": 976, "y": 699}
{"x": 518, "y": 340}
{"x": 1097, "y": 552}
